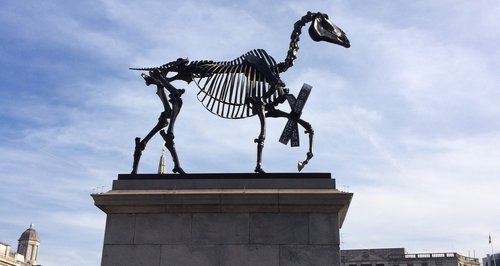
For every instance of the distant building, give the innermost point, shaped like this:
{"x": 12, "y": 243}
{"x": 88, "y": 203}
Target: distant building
{"x": 398, "y": 257}
{"x": 492, "y": 260}
{"x": 27, "y": 250}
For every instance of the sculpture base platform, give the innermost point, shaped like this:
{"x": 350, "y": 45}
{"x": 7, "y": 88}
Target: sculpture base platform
{"x": 223, "y": 219}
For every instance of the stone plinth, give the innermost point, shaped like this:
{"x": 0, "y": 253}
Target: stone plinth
{"x": 223, "y": 219}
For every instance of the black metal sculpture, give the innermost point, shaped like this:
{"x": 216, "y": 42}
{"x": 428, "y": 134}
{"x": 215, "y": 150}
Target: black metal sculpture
{"x": 247, "y": 86}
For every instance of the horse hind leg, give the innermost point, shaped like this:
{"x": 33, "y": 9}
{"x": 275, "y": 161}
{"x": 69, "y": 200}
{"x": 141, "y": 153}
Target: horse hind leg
{"x": 169, "y": 135}
{"x": 172, "y": 106}
{"x": 140, "y": 145}
{"x": 170, "y": 145}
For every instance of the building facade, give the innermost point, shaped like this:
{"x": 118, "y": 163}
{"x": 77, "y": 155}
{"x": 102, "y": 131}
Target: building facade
{"x": 492, "y": 260}
{"x": 27, "y": 250}
{"x": 398, "y": 257}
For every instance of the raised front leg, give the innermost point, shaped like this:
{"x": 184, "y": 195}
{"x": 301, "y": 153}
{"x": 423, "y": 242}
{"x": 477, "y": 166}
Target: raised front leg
{"x": 309, "y": 155}
{"x": 308, "y": 130}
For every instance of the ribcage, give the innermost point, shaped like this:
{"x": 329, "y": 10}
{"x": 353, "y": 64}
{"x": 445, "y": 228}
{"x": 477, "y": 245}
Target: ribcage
{"x": 225, "y": 87}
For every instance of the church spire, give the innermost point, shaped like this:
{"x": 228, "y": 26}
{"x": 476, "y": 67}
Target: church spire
{"x": 161, "y": 165}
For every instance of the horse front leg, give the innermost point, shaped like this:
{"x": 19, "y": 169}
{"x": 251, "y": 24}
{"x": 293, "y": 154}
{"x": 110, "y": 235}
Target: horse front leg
{"x": 308, "y": 130}
{"x": 259, "y": 109}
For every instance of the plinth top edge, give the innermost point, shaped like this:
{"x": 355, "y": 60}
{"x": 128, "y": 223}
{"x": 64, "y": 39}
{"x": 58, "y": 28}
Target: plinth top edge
{"x": 225, "y": 176}
{"x": 224, "y": 191}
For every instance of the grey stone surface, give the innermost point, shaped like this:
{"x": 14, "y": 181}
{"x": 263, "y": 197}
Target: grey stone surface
{"x": 190, "y": 255}
{"x": 324, "y": 228}
{"x": 249, "y": 255}
{"x": 225, "y": 181}
{"x": 313, "y": 255}
{"x": 220, "y": 228}
{"x": 120, "y": 229}
{"x": 163, "y": 228}
{"x": 266, "y": 225}
{"x": 311, "y": 199}
{"x": 249, "y": 202}
{"x": 279, "y": 228}
{"x": 231, "y": 200}
{"x": 131, "y": 255}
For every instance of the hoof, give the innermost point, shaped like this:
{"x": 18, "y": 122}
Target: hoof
{"x": 301, "y": 165}
{"x": 259, "y": 170}
{"x": 178, "y": 170}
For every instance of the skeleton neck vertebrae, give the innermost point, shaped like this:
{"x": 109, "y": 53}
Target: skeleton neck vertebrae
{"x": 294, "y": 41}
{"x": 247, "y": 86}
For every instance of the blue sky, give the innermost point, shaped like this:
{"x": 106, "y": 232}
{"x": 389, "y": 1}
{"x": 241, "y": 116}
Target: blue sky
{"x": 407, "y": 118}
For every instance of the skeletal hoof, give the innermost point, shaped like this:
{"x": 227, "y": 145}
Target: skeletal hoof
{"x": 301, "y": 165}
{"x": 178, "y": 170}
{"x": 259, "y": 170}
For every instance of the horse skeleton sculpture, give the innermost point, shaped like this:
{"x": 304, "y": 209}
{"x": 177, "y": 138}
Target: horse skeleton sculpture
{"x": 247, "y": 86}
